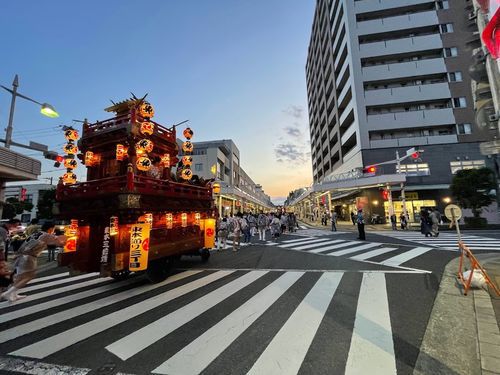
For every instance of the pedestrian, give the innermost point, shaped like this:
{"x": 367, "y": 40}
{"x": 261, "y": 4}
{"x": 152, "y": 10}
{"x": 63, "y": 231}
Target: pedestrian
{"x": 222, "y": 232}
{"x": 245, "y": 229}
{"x": 283, "y": 222}
{"x": 394, "y": 222}
{"x": 252, "y": 221}
{"x": 425, "y": 225}
{"x": 353, "y": 218}
{"x": 334, "y": 221}
{"x": 5, "y": 231}
{"x": 32, "y": 227}
{"x": 361, "y": 225}
{"x": 236, "y": 224}
{"x": 291, "y": 222}
{"x": 434, "y": 219}
{"x": 275, "y": 227}
{"x": 404, "y": 221}
{"x": 26, "y": 261}
{"x": 262, "y": 224}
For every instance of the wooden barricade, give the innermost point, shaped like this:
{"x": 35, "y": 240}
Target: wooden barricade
{"x": 474, "y": 265}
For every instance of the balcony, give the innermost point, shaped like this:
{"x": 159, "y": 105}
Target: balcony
{"x": 405, "y": 69}
{"x": 375, "y": 5}
{"x": 17, "y": 167}
{"x": 403, "y": 45}
{"x": 412, "y": 119}
{"x": 414, "y": 141}
{"x": 407, "y": 94}
{"x": 395, "y": 23}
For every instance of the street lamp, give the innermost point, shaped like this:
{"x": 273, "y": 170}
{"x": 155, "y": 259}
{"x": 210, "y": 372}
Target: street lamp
{"x": 46, "y": 109}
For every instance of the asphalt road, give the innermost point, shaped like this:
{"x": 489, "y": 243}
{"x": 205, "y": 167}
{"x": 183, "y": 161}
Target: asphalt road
{"x": 311, "y": 302}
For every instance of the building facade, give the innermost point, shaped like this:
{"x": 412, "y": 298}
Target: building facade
{"x": 32, "y": 194}
{"x": 386, "y": 76}
{"x": 220, "y": 160}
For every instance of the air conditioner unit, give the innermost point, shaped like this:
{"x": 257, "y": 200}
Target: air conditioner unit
{"x": 493, "y": 117}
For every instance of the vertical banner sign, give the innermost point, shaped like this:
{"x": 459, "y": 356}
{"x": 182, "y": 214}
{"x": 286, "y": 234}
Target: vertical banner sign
{"x": 105, "y": 245}
{"x": 139, "y": 247}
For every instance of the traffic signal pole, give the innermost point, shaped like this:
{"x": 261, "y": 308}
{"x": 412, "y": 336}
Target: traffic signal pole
{"x": 403, "y": 198}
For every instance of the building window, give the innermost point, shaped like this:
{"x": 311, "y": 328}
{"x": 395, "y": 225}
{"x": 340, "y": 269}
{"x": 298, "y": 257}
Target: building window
{"x": 198, "y": 167}
{"x": 201, "y": 151}
{"x": 446, "y": 28}
{"x": 459, "y": 102}
{"x": 455, "y": 77}
{"x": 421, "y": 169}
{"x": 451, "y": 52}
{"x": 466, "y": 164}
{"x": 442, "y": 4}
{"x": 464, "y": 129}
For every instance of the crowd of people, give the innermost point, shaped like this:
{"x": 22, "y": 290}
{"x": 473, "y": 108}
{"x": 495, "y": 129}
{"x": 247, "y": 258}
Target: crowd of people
{"x": 26, "y": 245}
{"x": 244, "y": 226}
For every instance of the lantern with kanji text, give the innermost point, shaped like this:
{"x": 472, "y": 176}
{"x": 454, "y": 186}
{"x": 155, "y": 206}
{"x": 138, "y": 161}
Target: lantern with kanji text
{"x": 147, "y": 128}
{"x": 143, "y": 163}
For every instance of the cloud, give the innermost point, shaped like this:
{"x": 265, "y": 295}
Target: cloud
{"x": 295, "y": 111}
{"x": 293, "y": 131}
{"x": 290, "y": 153}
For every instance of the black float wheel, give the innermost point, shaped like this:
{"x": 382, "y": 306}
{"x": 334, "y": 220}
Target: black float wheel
{"x": 205, "y": 254}
{"x": 159, "y": 269}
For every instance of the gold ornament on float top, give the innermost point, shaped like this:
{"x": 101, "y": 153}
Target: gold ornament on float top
{"x": 144, "y": 145}
{"x": 143, "y": 163}
{"x": 70, "y": 149}
{"x": 188, "y": 133}
{"x": 187, "y": 146}
{"x": 71, "y": 134}
{"x": 70, "y": 163}
{"x": 69, "y": 178}
{"x": 187, "y": 160}
{"x": 147, "y": 128}
{"x": 146, "y": 110}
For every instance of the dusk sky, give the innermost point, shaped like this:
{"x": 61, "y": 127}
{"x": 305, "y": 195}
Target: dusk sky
{"x": 234, "y": 68}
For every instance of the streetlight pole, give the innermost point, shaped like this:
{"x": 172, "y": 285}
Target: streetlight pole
{"x": 403, "y": 198}
{"x": 8, "y": 134}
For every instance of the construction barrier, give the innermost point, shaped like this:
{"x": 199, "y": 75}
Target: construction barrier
{"x": 474, "y": 265}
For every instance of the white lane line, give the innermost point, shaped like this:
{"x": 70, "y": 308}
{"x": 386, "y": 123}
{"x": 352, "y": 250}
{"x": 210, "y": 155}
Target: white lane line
{"x": 372, "y": 346}
{"x": 139, "y": 340}
{"x": 53, "y": 292}
{"x": 303, "y": 242}
{"x": 22, "y": 366}
{"x": 305, "y": 247}
{"x": 340, "y": 244}
{"x": 353, "y": 249}
{"x": 53, "y": 344}
{"x": 58, "y": 282}
{"x": 286, "y": 352}
{"x": 196, "y": 356}
{"x": 345, "y": 244}
{"x": 11, "y": 315}
{"x": 373, "y": 253}
{"x": 35, "y": 325}
{"x": 299, "y": 240}
{"x": 268, "y": 243}
{"x": 406, "y": 256}
{"x": 50, "y": 277}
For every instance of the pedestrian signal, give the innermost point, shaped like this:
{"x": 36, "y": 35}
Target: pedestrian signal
{"x": 385, "y": 194}
{"x": 370, "y": 170}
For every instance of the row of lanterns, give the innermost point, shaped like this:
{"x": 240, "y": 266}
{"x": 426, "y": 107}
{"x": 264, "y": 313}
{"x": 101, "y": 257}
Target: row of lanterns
{"x": 70, "y": 149}
{"x": 144, "y": 146}
{"x": 187, "y": 159}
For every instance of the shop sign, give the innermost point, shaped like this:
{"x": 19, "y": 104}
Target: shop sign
{"x": 139, "y": 247}
{"x": 411, "y": 195}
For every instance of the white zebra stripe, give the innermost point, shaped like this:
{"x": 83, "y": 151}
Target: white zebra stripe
{"x": 50, "y": 277}
{"x": 214, "y": 341}
{"x": 336, "y": 245}
{"x": 58, "y": 282}
{"x": 353, "y": 249}
{"x": 372, "y": 346}
{"x": 303, "y": 242}
{"x": 53, "y": 344}
{"x": 287, "y": 350}
{"x": 373, "y": 253}
{"x": 406, "y": 256}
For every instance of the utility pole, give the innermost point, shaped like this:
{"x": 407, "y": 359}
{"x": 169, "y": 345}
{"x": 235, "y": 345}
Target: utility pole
{"x": 403, "y": 198}
{"x": 8, "y": 134}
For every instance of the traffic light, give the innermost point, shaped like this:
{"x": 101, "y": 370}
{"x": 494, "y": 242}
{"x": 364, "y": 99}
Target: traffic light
{"x": 415, "y": 155}
{"x": 385, "y": 194}
{"x": 371, "y": 170}
{"x": 52, "y": 155}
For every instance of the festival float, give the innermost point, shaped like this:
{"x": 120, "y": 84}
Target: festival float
{"x": 140, "y": 208}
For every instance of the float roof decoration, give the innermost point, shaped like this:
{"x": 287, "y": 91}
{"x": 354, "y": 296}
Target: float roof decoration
{"x": 125, "y": 105}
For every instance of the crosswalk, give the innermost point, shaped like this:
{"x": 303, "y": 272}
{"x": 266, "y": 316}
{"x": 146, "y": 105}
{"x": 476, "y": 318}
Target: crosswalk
{"x": 373, "y": 252}
{"x": 445, "y": 240}
{"x": 306, "y": 231}
{"x": 261, "y": 321}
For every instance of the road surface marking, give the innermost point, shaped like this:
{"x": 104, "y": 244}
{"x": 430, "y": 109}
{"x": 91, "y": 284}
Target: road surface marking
{"x": 373, "y": 253}
{"x": 353, "y": 249}
{"x": 405, "y": 257}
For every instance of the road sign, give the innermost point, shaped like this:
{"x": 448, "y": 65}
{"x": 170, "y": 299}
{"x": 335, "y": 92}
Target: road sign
{"x": 453, "y": 212}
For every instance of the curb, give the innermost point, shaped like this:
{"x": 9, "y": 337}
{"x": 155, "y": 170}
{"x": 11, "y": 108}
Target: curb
{"x": 460, "y": 337}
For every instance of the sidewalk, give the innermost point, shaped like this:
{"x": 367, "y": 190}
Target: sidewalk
{"x": 463, "y": 334}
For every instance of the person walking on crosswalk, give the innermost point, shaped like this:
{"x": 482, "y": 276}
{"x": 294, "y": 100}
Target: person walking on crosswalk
{"x": 434, "y": 219}
{"x": 262, "y": 224}
{"x": 334, "y": 221}
{"x": 236, "y": 229}
{"x": 360, "y": 220}
{"x": 222, "y": 232}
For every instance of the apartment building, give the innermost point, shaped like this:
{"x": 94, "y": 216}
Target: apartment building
{"x": 220, "y": 160}
{"x": 387, "y": 75}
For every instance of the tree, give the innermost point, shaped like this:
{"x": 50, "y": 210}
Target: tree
{"x": 46, "y": 203}
{"x": 8, "y": 211}
{"x": 471, "y": 189}
{"x": 20, "y": 206}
